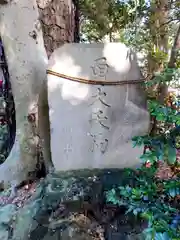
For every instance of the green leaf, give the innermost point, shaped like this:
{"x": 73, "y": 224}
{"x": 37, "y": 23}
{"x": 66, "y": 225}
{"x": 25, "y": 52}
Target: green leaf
{"x": 172, "y": 192}
{"x": 171, "y": 154}
{"x": 137, "y": 141}
{"x": 162, "y": 236}
{"x": 147, "y": 215}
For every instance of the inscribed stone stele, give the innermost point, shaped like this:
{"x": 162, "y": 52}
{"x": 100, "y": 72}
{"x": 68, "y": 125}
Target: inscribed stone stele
{"x": 92, "y": 124}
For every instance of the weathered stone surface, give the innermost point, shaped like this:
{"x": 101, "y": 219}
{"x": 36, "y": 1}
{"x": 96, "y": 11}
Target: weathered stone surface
{"x": 7, "y": 213}
{"x": 4, "y": 235}
{"x": 25, "y": 218}
{"x": 27, "y": 59}
{"x": 92, "y": 125}
{"x": 72, "y": 205}
{"x": 7, "y": 216}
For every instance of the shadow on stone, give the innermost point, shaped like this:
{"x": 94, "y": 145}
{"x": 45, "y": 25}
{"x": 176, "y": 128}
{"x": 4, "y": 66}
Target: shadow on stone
{"x": 72, "y": 205}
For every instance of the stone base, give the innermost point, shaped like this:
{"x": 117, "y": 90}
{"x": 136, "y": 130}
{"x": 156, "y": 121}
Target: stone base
{"x": 70, "y": 206}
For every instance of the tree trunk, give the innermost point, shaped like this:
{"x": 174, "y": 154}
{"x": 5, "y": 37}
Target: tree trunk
{"x": 22, "y": 26}
{"x": 58, "y": 22}
{"x": 27, "y": 60}
{"x": 159, "y": 34}
{"x": 76, "y": 22}
{"x": 58, "y": 25}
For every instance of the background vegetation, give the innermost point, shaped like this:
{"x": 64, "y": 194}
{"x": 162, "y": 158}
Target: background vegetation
{"x": 152, "y": 29}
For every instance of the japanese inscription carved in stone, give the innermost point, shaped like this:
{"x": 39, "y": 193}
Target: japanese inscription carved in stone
{"x": 102, "y": 118}
{"x": 100, "y": 70}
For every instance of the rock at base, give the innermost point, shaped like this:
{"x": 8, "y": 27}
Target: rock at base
{"x": 71, "y": 205}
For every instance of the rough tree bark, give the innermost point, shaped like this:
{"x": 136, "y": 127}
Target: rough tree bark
{"x": 58, "y": 25}
{"x": 159, "y": 33}
{"x": 175, "y": 50}
{"x": 58, "y": 22}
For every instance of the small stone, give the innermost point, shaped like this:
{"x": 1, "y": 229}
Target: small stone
{"x": 7, "y": 213}
{"x": 3, "y": 234}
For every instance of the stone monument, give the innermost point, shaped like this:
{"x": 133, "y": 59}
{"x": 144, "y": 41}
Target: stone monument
{"x": 97, "y": 104}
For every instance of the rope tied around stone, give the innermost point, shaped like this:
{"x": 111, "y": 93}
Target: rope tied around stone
{"x": 95, "y": 82}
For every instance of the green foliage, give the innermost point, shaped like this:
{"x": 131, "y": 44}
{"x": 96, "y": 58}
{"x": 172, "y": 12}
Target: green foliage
{"x": 149, "y": 198}
{"x": 102, "y": 17}
{"x": 169, "y": 75}
{"x": 136, "y": 23}
{"x": 163, "y": 145}
{"x": 163, "y": 113}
